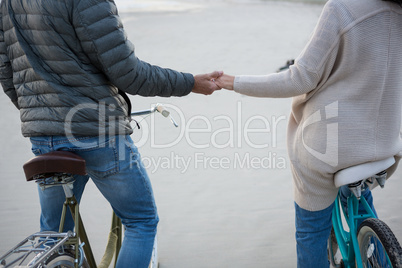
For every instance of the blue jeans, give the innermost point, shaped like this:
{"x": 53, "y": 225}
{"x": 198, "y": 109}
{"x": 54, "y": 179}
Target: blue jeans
{"x": 313, "y": 229}
{"x": 114, "y": 165}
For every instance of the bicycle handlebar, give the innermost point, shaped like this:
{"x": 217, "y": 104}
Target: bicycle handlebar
{"x": 157, "y": 108}
{"x": 162, "y": 110}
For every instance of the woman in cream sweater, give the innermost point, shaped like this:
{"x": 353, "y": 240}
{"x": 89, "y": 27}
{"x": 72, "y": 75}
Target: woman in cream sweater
{"x": 347, "y": 94}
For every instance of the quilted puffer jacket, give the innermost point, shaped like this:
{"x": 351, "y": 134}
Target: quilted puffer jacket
{"x": 67, "y": 64}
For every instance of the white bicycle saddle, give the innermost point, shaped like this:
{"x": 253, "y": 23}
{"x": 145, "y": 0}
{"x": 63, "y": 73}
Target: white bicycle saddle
{"x": 362, "y": 171}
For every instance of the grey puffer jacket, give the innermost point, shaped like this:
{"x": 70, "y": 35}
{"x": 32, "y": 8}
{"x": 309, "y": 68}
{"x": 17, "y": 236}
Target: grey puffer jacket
{"x": 67, "y": 64}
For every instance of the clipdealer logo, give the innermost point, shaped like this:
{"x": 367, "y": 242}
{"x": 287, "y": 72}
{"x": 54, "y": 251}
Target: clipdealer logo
{"x": 205, "y": 139}
{"x": 203, "y": 161}
{"x": 330, "y": 156}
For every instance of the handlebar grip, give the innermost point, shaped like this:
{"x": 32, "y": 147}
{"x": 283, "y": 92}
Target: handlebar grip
{"x": 162, "y": 110}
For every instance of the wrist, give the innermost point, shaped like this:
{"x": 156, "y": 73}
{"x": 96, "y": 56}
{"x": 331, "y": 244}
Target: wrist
{"x": 230, "y": 82}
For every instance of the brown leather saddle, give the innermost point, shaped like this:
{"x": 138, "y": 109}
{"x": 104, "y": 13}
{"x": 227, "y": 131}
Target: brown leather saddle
{"x": 54, "y": 162}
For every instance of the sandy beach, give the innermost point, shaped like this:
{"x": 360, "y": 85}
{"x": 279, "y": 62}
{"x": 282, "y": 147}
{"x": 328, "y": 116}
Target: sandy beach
{"x": 222, "y": 179}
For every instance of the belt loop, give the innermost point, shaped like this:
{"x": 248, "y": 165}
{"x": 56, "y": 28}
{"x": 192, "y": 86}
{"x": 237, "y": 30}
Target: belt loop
{"x": 51, "y": 143}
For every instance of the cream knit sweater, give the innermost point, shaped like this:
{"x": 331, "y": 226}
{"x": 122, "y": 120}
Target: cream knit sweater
{"x": 347, "y": 89}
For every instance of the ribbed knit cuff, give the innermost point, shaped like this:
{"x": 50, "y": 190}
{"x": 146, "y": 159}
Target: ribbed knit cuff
{"x": 236, "y": 84}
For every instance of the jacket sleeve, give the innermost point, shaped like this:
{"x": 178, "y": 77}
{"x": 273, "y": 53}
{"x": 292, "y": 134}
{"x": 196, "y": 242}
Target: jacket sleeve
{"x": 102, "y": 36}
{"x": 6, "y": 72}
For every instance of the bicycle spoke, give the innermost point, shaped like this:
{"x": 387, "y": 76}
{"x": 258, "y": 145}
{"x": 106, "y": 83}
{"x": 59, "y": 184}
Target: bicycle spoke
{"x": 376, "y": 257}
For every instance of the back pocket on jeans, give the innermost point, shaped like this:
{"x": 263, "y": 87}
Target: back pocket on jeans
{"x": 102, "y": 161}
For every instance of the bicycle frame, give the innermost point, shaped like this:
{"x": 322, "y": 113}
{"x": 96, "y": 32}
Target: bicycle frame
{"x": 72, "y": 203}
{"x": 347, "y": 240}
{"x": 115, "y": 236}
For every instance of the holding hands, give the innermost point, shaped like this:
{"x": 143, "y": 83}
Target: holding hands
{"x": 207, "y": 83}
{"x": 225, "y": 81}
{"x": 204, "y": 83}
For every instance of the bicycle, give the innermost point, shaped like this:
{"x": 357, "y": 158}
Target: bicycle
{"x": 68, "y": 249}
{"x": 372, "y": 243}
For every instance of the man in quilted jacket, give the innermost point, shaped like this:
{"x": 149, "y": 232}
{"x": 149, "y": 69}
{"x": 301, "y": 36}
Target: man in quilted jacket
{"x": 67, "y": 66}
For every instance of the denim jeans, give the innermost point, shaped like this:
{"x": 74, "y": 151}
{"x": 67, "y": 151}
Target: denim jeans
{"x": 114, "y": 165}
{"x": 313, "y": 229}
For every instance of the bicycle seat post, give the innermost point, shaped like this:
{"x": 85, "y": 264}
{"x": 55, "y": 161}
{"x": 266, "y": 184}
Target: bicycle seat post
{"x": 68, "y": 189}
{"x": 356, "y": 188}
{"x": 381, "y": 178}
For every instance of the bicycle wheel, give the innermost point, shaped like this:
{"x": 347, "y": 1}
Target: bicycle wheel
{"x": 378, "y": 245}
{"x": 334, "y": 254}
{"x": 64, "y": 260}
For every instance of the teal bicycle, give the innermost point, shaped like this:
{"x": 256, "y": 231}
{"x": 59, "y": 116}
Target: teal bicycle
{"x": 372, "y": 243}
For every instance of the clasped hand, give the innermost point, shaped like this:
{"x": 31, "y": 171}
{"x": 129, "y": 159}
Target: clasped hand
{"x": 207, "y": 83}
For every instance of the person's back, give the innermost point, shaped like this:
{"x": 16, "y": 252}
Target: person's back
{"x": 347, "y": 101}
{"x": 356, "y": 63}
{"x": 74, "y": 54}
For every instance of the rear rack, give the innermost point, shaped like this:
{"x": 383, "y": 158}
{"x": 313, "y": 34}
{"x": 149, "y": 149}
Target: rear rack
{"x": 33, "y": 250}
